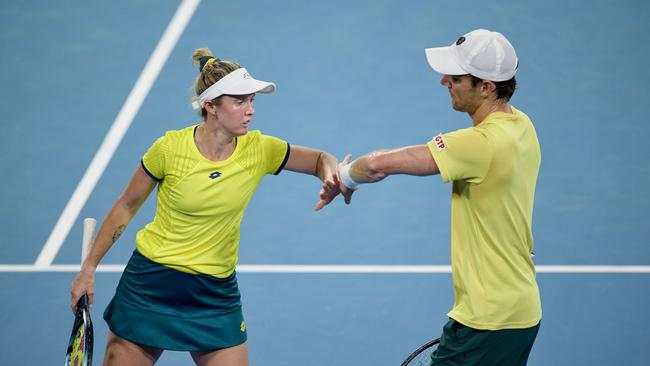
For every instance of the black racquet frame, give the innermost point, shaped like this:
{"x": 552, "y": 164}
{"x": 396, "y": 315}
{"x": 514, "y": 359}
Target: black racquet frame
{"x": 82, "y": 317}
{"x": 422, "y": 348}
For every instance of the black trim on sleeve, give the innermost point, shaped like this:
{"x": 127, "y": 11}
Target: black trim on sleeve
{"x": 148, "y": 172}
{"x": 284, "y": 162}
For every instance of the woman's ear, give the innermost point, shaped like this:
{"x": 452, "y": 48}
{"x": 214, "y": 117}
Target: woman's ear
{"x": 210, "y": 107}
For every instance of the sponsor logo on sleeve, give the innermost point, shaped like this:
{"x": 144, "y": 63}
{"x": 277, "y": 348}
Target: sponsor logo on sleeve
{"x": 440, "y": 142}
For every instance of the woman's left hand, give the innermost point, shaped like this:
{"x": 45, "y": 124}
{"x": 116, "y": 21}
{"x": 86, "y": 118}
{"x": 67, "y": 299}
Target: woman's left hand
{"x": 329, "y": 190}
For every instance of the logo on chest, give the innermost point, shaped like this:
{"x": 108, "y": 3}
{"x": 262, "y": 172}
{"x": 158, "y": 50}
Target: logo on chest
{"x": 214, "y": 175}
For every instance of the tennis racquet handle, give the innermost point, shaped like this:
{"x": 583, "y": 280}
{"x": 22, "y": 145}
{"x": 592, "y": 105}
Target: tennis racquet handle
{"x": 88, "y": 235}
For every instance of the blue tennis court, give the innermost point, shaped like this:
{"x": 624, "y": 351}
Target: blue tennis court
{"x": 88, "y": 86}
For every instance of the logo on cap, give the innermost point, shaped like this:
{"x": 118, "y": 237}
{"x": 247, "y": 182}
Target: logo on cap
{"x": 246, "y": 76}
{"x": 460, "y": 41}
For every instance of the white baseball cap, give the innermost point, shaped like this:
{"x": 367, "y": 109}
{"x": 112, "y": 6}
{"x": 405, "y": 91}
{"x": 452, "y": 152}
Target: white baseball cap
{"x": 238, "y": 82}
{"x": 485, "y": 54}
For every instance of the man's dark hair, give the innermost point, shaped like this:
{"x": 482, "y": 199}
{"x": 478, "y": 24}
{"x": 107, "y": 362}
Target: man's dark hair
{"x": 505, "y": 89}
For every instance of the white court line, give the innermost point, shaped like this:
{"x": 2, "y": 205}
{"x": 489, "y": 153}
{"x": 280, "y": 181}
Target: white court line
{"x": 283, "y": 268}
{"x": 116, "y": 133}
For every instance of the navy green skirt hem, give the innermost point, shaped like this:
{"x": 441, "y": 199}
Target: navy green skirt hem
{"x": 160, "y": 307}
{"x": 158, "y": 331}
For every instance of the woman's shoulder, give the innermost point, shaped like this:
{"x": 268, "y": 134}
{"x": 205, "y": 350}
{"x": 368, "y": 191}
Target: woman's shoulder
{"x": 251, "y": 137}
{"x": 176, "y": 135}
{"x": 253, "y": 134}
{"x": 257, "y": 135}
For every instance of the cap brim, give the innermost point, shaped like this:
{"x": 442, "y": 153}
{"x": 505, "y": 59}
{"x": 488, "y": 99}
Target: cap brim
{"x": 443, "y": 61}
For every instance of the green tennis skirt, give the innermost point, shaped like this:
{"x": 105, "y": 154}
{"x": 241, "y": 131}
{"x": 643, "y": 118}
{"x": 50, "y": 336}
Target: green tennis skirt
{"x": 160, "y": 307}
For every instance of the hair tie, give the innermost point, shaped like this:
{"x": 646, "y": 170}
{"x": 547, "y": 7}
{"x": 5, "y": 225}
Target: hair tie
{"x": 205, "y": 61}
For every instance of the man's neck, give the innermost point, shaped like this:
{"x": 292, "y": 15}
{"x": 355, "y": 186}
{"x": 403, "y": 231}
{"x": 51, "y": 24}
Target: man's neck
{"x": 485, "y": 109}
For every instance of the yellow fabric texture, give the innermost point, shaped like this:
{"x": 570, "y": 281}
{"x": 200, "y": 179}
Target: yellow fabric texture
{"x": 494, "y": 168}
{"x": 201, "y": 202}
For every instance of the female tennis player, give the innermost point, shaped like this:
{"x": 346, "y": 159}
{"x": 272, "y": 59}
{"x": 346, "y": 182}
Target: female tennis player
{"x": 179, "y": 289}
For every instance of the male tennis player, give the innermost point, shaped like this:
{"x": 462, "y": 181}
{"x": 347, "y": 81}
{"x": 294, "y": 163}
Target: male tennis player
{"x": 493, "y": 166}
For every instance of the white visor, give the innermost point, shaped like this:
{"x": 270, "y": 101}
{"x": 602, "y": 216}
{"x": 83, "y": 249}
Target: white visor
{"x": 238, "y": 82}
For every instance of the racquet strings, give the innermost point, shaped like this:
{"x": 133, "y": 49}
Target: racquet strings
{"x": 79, "y": 352}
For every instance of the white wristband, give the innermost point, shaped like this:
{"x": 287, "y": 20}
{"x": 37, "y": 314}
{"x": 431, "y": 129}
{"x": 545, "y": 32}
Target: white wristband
{"x": 345, "y": 177}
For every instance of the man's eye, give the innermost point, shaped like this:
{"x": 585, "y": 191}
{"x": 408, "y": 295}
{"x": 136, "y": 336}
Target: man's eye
{"x": 455, "y": 79}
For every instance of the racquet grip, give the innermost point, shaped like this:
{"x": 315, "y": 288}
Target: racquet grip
{"x": 88, "y": 236}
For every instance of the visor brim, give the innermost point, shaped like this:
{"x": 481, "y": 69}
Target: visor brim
{"x": 250, "y": 86}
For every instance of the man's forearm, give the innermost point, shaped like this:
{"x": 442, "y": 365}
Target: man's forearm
{"x": 366, "y": 169}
